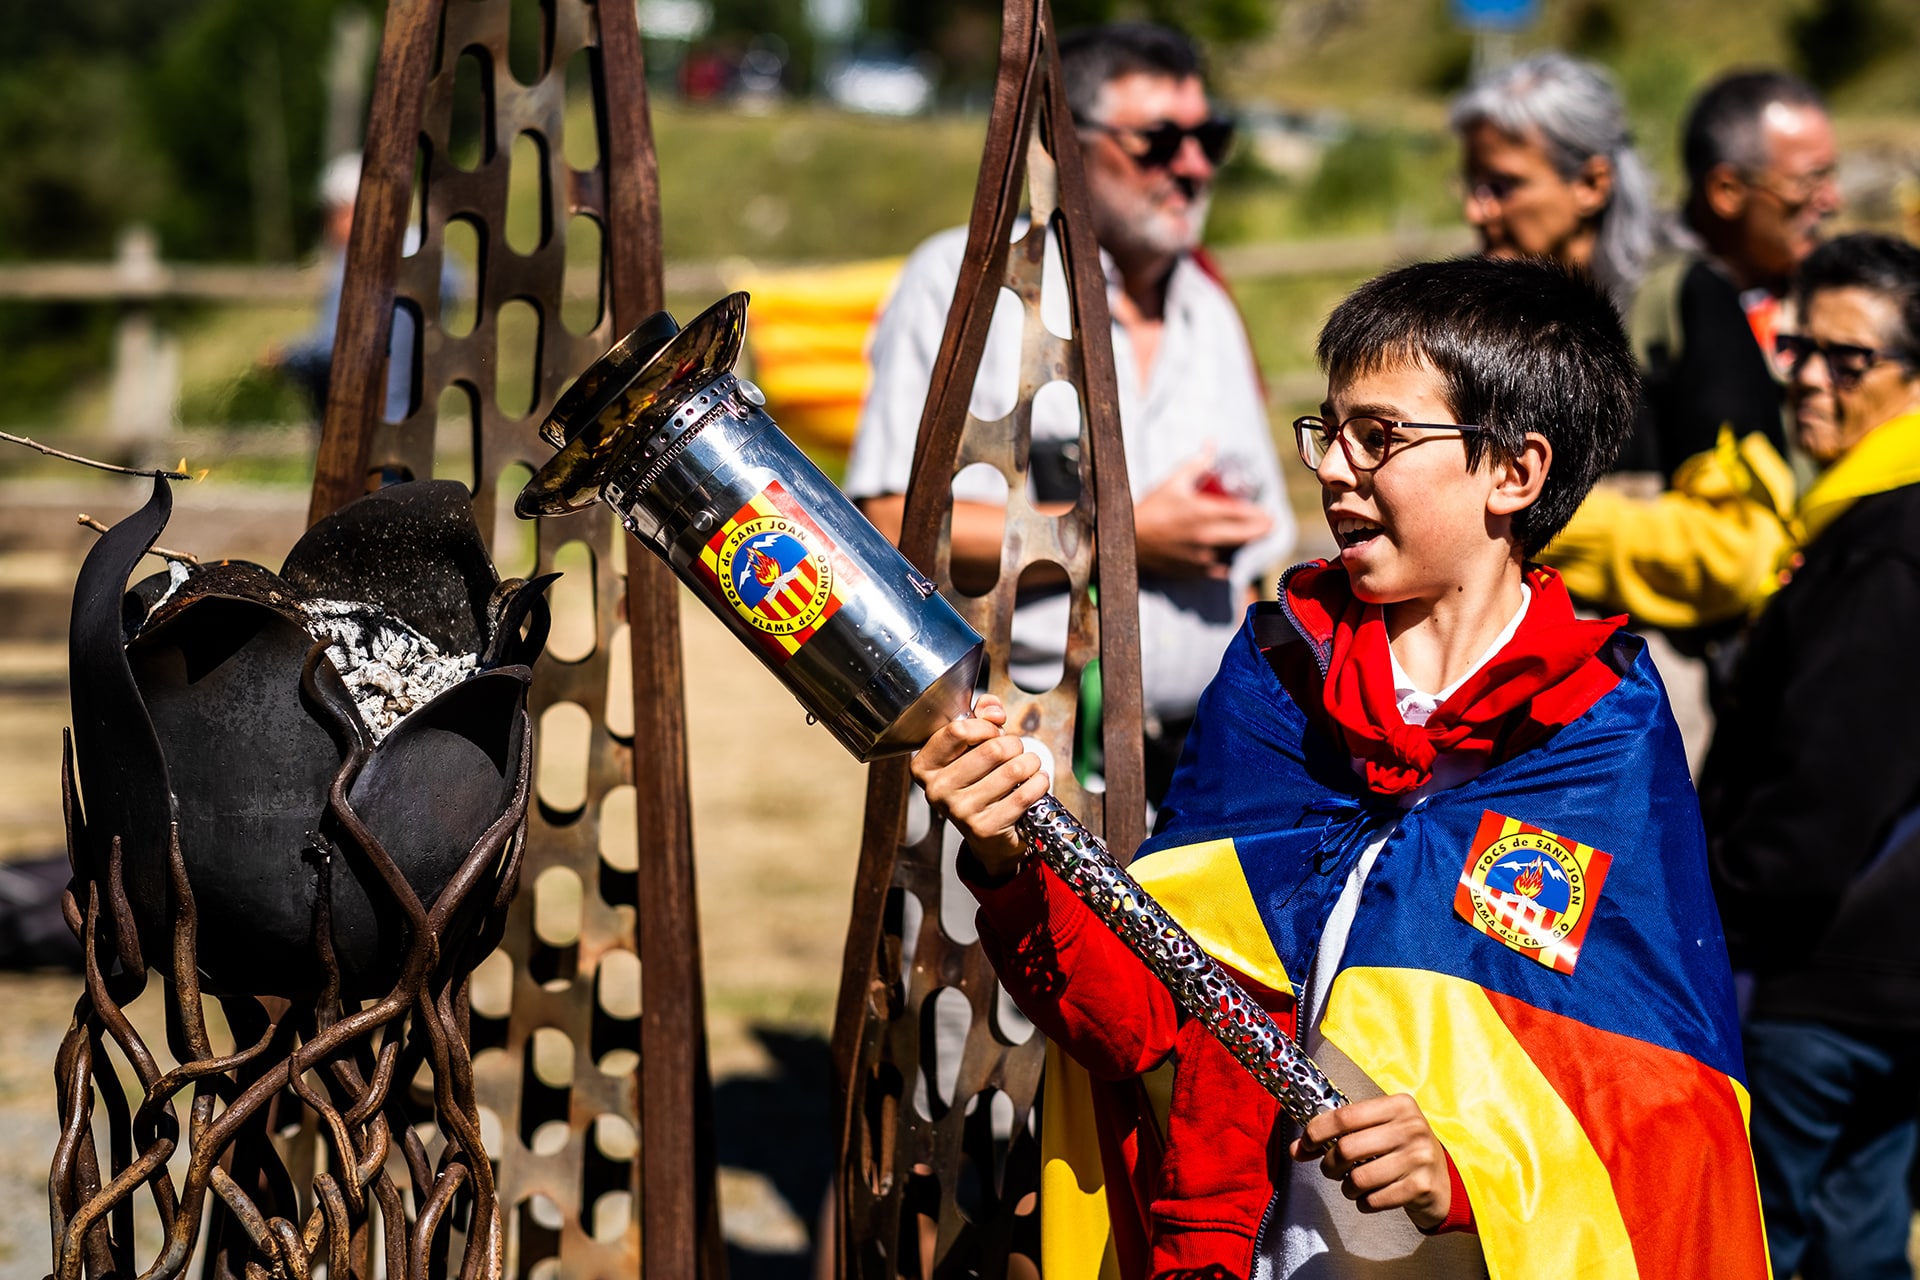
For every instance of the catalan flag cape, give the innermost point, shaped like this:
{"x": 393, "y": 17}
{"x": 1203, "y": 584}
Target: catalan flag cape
{"x": 1537, "y": 959}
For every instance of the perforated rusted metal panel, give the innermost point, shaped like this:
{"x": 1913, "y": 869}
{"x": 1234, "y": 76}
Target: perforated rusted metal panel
{"x": 598, "y": 1109}
{"x": 913, "y": 1149}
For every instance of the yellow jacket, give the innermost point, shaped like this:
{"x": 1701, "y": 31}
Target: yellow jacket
{"x": 1723, "y": 539}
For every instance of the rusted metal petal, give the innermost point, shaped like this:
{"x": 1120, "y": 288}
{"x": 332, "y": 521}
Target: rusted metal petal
{"x": 429, "y": 792}
{"x": 122, "y": 769}
{"x": 517, "y": 604}
{"x": 414, "y": 550}
{"x": 250, "y": 767}
{"x": 233, "y": 579}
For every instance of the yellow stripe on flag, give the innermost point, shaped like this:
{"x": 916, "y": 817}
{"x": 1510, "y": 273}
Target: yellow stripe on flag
{"x": 1076, "y": 1240}
{"x": 1205, "y": 889}
{"x": 1745, "y": 1100}
{"x": 1541, "y": 1196}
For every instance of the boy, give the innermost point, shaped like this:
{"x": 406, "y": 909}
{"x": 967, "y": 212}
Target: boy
{"x": 1484, "y": 908}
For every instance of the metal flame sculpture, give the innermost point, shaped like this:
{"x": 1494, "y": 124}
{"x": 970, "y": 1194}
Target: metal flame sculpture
{"x": 243, "y": 829}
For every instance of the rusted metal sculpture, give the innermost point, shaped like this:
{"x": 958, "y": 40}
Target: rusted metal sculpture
{"x": 305, "y": 794}
{"x": 896, "y": 1164}
{"x": 562, "y": 984}
{"x": 604, "y": 1162}
{"x": 553, "y": 1062}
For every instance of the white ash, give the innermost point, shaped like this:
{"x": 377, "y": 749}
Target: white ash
{"x": 389, "y": 668}
{"x": 177, "y": 574}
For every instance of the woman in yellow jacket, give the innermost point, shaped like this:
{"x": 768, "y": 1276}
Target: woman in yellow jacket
{"x": 1727, "y": 535}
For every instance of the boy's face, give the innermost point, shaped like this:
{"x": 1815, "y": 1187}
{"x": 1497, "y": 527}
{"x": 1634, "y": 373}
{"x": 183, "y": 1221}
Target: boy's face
{"x": 1419, "y": 526}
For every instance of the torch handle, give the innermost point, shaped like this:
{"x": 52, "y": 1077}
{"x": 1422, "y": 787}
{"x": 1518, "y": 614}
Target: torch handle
{"x": 1199, "y": 984}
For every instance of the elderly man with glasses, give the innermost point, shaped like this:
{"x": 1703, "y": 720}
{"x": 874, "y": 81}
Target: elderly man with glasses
{"x": 1759, "y": 156}
{"x": 1710, "y": 439}
{"x": 1210, "y": 513}
{"x": 1811, "y": 792}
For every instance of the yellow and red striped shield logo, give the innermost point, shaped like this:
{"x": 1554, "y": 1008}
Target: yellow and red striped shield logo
{"x": 778, "y": 570}
{"x": 1530, "y": 889}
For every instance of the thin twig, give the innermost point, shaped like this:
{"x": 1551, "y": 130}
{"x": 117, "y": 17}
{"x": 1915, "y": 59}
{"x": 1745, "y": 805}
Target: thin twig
{"x": 184, "y": 557}
{"x": 52, "y": 452}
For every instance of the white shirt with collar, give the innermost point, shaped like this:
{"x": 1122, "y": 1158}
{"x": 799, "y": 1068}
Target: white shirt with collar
{"x": 1203, "y": 387}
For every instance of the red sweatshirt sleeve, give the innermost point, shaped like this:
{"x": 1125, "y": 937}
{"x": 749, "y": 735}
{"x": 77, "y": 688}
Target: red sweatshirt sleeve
{"x": 1067, "y": 971}
{"x": 1459, "y": 1210}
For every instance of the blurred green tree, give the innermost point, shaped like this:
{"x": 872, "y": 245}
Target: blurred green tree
{"x": 1837, "y": 40}
{"x": 235, "y": 103}
{"x": 201, "y": 118}
{"x": 951, "y": 29}
{"x": 189, "y": 115}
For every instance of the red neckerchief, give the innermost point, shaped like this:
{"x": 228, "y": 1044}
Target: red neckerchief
{"x": 1545, "y": 677}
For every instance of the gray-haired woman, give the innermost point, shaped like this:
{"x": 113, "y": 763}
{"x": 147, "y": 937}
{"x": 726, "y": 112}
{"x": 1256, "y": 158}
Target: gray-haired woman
{"x": 1551, "y": 171}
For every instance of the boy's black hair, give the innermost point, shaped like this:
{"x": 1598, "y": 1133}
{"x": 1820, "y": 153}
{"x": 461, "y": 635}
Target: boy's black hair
{"x": 1886, "y": 265}
{"x": 1520, "y": 346}
{"x": 1092, "y": 56}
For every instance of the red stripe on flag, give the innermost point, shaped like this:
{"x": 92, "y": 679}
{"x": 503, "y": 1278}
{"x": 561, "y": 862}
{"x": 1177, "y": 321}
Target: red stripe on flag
{"x": 1669, "y": 1131}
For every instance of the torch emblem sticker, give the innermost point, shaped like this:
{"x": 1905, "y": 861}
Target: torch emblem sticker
{"x": 1530, "y": 889}
{"x": 780, "y": 573}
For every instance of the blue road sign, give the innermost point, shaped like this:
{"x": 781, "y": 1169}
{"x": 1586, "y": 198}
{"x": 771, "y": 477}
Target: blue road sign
{"x": 1495, "y": 15}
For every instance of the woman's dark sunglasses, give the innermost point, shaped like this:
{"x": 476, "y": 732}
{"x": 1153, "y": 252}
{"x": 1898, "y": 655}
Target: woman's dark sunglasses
{"x": 1846, "y": 363}
{"x": 1155, "y": 148}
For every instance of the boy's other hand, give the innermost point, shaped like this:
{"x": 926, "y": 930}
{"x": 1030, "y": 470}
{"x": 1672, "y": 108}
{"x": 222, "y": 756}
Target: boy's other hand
{"x": 1383, "y": 1154}
{"x": 1180, "y": 530}
{"x": 982, "y": 779}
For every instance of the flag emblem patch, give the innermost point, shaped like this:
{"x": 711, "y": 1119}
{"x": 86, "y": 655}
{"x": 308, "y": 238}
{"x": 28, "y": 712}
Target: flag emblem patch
{"x": 777, "y": 569}
{"x": 1530, "y": 889}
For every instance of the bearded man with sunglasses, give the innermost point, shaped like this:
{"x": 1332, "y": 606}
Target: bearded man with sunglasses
{"x": 1210, "y": 512}
{"x": 1811, "y": 792}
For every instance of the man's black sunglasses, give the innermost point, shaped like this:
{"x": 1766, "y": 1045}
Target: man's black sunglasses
{"x": 1155, "y": 147}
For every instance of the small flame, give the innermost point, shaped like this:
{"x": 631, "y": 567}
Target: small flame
{"x": 766, "y": 570}
{"x": 1530, "y": 881}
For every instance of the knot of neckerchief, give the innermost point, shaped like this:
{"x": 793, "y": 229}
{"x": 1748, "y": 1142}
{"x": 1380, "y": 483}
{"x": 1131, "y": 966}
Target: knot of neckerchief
{"x": 1549, "y": 648}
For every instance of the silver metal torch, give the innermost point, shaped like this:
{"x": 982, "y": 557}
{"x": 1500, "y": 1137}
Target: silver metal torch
{"x": 664, "y": 432}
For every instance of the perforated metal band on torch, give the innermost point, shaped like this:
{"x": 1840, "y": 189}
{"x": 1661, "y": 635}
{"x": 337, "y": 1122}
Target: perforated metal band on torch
{"x": 1199, "y": 984}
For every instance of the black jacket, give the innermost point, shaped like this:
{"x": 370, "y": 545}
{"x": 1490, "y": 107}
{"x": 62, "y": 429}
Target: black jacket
{"x": 1811, "y": 791}
{"x": 1700, "y": 368}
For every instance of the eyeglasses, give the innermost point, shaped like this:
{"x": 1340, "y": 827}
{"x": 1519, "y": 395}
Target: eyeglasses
{"x": 1796, "y": 193}
{"x": 1367, "y": 441}
{"x": 1491, "y": 189}
{"x": 1155, "y": 147}
{"x": 1846, "y": 363}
